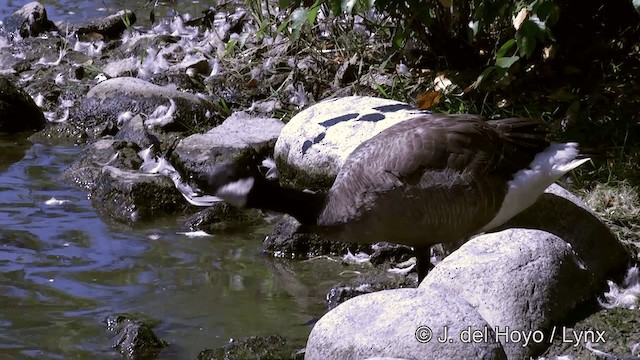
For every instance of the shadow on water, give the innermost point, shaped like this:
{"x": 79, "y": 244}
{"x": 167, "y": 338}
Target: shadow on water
{"x": 12, "y": 149}
{"x": 62, "y": 271}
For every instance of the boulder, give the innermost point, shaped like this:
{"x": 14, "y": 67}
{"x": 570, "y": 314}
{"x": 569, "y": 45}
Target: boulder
{"x": 240, "y": 136}
{"x": 402, "y": 323}
{"x": 561, "y": 213}
{"x": 29, "y": 20}
{"x": 520, "y": 281}
{"x": 315, "y": 143}
{"x": 18, "y": 111}
{"x": 182, "y": 112}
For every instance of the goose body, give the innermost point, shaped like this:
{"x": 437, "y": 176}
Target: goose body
{"x": 427, "y": 180}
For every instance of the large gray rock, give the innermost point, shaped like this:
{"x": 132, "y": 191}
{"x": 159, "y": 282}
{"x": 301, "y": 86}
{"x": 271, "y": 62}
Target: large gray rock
{"x": 18, "y": 111}
{"x": 29, "y": 20}
{"x": 518, "y": 280}
{"x": 104, "y": 103}
{"x": 561, "y": 213}
{"x": 315, "y": 143}
{"x": 388, "y": 323}
{"x": 240, "y": 136}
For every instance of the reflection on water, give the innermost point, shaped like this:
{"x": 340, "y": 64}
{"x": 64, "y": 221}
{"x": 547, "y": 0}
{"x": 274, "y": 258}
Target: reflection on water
{"x": 62, "y": 271}
{"x": 79, "y": 10}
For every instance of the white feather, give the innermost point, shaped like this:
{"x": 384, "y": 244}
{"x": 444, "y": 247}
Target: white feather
{"x": 236, "y": 192}
{"x": 528, "y": 184}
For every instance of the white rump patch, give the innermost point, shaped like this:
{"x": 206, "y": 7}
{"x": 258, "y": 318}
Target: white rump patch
{"x": 236, "y": 192}
{"x": 528, "y": 184}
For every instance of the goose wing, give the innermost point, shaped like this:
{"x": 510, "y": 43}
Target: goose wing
{"x": 449, "y": 159}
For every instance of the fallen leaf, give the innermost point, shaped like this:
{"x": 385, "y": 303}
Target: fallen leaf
{"x": 251, "y": 83}
{"x": 428, "y": 100}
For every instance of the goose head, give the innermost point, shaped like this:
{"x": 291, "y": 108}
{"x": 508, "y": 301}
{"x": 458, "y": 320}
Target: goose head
{"x": 234, "y": 183}
{"x": 245, "y": 186}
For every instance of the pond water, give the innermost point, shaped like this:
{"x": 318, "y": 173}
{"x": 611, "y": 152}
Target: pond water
{"x": 62, "y": 271}
{"x": 79, "y": 10}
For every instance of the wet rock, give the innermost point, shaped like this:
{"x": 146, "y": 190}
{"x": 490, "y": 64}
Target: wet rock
{"x": 287, "y": 239}
{"x": 390, "y": 253}
{"x": 29, "y": 20}
{"x": 110, "y": 27}
{"x": 561, "y": 213}
{"x": 134, "y": 130}
{"x": 255, "y": 347}
{"x": 613, "y": 331}
{"x": 240, "y": 136}
{"x": 343, "y": 292}
{"x": 104, "y": 103}
{"x": 134, "y": 338}
{"x": 386, "y": 324}
{"x": 18, "y": 111}
{"x": 222, "y": 217}
{"x": 315, "y": 143}
{"x": 129, "y": 197}
{"x": 87, "y": 168}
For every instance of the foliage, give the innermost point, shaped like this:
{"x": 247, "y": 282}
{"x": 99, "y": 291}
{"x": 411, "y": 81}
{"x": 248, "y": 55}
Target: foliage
{"x": 460, "y": 31}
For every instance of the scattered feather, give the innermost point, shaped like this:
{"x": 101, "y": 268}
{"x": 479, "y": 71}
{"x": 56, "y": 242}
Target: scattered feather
{"x": 152, "y": 165}
{"x": 404, "y": 267}
{"x": 54, "y": 202}
{"x": 162, "y": 115}
{"x": 193, "y": 234}
{"x": 60, "y": 79}
{"x": 606, "y": 356}
{"x": 110, "y": 161}
{"x": 44, "y": 61}
{"x": 39, "y": 100}
{"x": 625, "y": 296}
{"x": 51, "y": 116}
{"x": 124, "y": 117}
{"x": 272, "y": 170}
{"x": 358, "y": 258}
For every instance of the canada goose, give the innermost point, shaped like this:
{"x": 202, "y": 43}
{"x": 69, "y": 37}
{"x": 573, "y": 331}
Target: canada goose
{"x": 432, "y": 179}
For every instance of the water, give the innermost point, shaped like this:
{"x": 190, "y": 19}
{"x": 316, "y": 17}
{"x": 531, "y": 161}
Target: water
{"x": 78, "y": 10}
{"x": 62, "y": 271}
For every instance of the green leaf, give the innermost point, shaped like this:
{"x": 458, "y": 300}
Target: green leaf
{"x": 485, "y": 73}
{"x": 527, "y": 38}
{"x": 230, "y": 45}
{"x": 505, "y": 47}
{"x": 282, "y": 26}
{"x": 544, "y": 9}
{"x": 313, "y": 12}
{"x": 506, "y": 62}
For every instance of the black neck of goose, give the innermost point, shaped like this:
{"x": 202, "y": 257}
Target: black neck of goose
{"x": 269, "y": 195}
